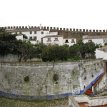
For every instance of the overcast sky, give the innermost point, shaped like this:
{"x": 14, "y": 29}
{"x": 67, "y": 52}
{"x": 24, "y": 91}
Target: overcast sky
{"x": 89, "y": 14}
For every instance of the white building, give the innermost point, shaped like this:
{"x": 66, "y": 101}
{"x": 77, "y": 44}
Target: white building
{"x": 69, "y": 41}
{"x": 36, "y": 35}
{"x": 20, "y": 37}
{"x": 53, "y": 39}
{"x": 101, "y": 53}
{"x": 58, "y": 39}
{"x": 99, "y": 40}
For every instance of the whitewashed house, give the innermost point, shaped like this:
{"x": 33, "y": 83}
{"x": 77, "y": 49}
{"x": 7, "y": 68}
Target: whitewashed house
{"x": 34, "y": 35}
{"x": 69, "y": 41}
{"x": 99, "y": 40}
{"x": 101, "y": 53}
{"x": 53, "y": 39}
{"x": 59, "y": 40}
{"x": 20, "y": 37}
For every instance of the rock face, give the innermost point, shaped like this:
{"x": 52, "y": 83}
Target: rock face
{"x": 47, "y": 79}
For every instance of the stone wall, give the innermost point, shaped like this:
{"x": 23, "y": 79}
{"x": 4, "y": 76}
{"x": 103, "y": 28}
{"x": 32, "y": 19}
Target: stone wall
{"x": 9, "y": 58}
{"x": 45, "y": 78}
{"x": 41, "y": 80}
{"x": 92, "y": 101}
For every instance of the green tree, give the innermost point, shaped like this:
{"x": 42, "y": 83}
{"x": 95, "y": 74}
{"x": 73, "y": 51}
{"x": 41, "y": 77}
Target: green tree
{"x": 74, "y": 52}
{"x": 90, "y": 49}
{"x": 7, "y": 42}
{"x": 25, "y": 50}
{"x": 55, "y": 53}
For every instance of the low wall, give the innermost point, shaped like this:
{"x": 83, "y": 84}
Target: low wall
{"x": 92, "y": 101}
{"x": 9, "y": 58}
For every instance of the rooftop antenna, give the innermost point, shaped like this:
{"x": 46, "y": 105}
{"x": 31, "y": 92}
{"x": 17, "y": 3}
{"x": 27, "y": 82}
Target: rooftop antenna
{"x": 40, "y": 26}
{"x": 28, "y": 26}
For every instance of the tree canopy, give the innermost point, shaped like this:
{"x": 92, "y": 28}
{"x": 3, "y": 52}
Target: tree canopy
{"x": 25, "y": 50}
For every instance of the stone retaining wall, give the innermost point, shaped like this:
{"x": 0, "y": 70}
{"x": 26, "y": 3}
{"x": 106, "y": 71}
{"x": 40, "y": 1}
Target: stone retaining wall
{"x": 43, "y": 79}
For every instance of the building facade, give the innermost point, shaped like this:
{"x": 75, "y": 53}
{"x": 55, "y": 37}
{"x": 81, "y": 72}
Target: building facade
{"x": 35, "y": 34}
{"x": 101, "y": 53}
{"x": 98, "y": 40}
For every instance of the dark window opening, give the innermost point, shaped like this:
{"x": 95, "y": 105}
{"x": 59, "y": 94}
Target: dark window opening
{"x": 89, "y": 40}
{"x": 30, "y": 38}
{"x": 42, "y": 32}
{"x": 30, "y": 32}
{"x": 66, "y": 41}
{"x": 35, "y": 38}
{"x": 56, "y": 39}
{"x": 72, "y": 41}
{"x": 34, "y": 32}
{"x": 25, "y": 37}
{"x": 49, "y": 39}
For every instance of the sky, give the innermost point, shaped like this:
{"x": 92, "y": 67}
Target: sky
{"x": 81, "y": 14}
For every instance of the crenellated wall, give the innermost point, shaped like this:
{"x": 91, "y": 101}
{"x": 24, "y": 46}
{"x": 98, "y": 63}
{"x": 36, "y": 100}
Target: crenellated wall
{"x": 65, "y": 31}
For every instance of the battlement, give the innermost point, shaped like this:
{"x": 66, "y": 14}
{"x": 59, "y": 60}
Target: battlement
{"x": 57, "y": 29}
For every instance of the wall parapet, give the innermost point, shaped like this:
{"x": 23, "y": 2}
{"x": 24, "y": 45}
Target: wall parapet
{"x": 94, "y": 31}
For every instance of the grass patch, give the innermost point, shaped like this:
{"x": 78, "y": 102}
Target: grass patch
{"x": 5, "y": 102}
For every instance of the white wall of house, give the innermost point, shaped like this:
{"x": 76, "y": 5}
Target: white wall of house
{"x": 69, "y": 41}
{"x": 39, "y": 35}
{"x": 19, "y": 37}
{"x": 35, "y": 36}
{"x": 96, "y": 41}
{"x": 101, "y": 54}
{"x": 53, "y": 40}
{"x": 100, "y": 40}
{"x": 60, "y": 41}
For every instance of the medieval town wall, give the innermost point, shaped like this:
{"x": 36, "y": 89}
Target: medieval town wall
{"x": 61, "y": 31}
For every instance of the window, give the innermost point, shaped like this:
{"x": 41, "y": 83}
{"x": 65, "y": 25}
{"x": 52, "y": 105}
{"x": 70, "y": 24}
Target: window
{"x": 89, "y": 40}
{"x": 66, "y": 41}
{"x": 35, "y": 38}
{"x": 105, "y": 41}
{"x": 30, "y": 32}
{"x": 34, "y": 32}
{"x": 49, "y": 39}
{"x": 42, "y": 32}
{"x": 56, "y": 39}
{"x": 25, "y": 37}
{"x": 30, "y": 38}
{"x": 72, "y": 41}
